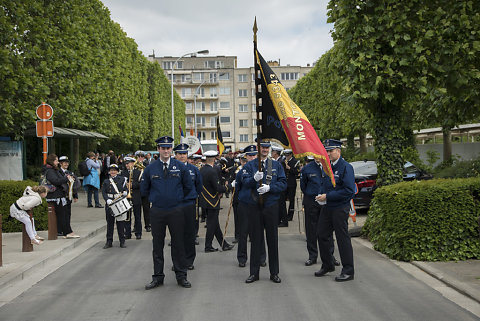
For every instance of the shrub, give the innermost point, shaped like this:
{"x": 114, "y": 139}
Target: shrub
{"x": 435, "y": 220}
{"x": 10, "y": 191}
{"x": 459, "y": 169}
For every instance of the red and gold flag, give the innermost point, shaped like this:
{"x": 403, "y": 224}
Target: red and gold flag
{"x": 279, "y": 110}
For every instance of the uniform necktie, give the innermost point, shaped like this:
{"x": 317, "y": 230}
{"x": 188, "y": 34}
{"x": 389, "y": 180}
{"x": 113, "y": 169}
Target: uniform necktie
{"x": 165, "y": 170}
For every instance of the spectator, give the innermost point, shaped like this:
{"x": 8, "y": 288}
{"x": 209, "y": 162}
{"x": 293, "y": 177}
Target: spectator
{"x": 92, "y": 181}
{"x": 32, "y": 196}
{"x": 71, "y": 192}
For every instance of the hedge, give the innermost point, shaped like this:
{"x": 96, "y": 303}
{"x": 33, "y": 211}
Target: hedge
{"x": 10, "y": 191}
{"x": 435, "y": 220}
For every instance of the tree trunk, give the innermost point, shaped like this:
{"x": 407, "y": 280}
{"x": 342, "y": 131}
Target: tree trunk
{"x": 447, "y": 144}
{"x": 363, "y": 142}
{"x": 351, "y": 144}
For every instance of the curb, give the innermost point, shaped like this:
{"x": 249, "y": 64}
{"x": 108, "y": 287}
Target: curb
{"x": 19, "y": 275}
{"x": 460, "y": 287}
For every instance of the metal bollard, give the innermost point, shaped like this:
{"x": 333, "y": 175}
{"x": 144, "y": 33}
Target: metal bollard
{"x": 27, "y": 245}
{"x": 52, "y": 222}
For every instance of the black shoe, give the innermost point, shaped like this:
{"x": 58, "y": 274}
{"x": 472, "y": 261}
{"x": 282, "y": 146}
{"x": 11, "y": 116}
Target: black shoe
{"x": 335, "y": 262}
{"x": 310, "y": 262}
{"x": 148, "y": 229}
{"x": 227, "y": 247}
{"x": 191, "y": 267}
{"x": 252, "y": 278}
{"x": 324, "y": 271}
{"x": 283, "y": 224}
{"x": 59, "y": 234}
{"x": 138, "y": 237}
{"x": 242, "y": 264}
{"x": 89, "y": 205}
{"x": 98, "y": 206}
{"x": 128, "y": 237}
{"x": 122, "y": 245}
{"x": 210, "y": 249}
{"x": 343, "y": 277}
{"x": 263, "y": 264}
{"x": 275, "y": 278}
{"x": 235, "y": 241}
{"x": 153, "y": 284}
{"x": 107, "y": 245}
{"x": 184, "y": 283}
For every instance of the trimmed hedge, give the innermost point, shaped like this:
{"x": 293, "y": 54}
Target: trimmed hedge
{"x": 10, "y": 191}
{"x": 435, "y": 220}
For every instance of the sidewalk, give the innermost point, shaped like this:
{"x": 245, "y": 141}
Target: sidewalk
{"x": 90, "y": 224}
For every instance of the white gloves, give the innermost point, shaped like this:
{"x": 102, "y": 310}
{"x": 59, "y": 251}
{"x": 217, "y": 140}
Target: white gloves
{"x": 233, "y": 184}
{"x": 263, "y": 189}
{"x": 124, "y": 193}
{"x": 258, "y": 176}
{"x": 109, "y": 201}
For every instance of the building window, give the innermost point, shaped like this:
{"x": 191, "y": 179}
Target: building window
{"x": 242, "y": 93}
{"x": 243, "y": 138}
{"x": 224, "y": 90}
{"x": 168, "y": 65}
{"x": 242, "y": 78}
{"x": 224, "y": 76}
{"x": 213, "y": 135}
{"x": 254, "y": 137}
{"x": 213, "y": 106}
{"x": 289, "y": 76}
{"x": 254, "y": 122}
{"x": 212, "y": 77}
{"x": 201, "y": 92}
{"x": 213, "y": 121}
{"x": 186, "y": 92}
{"x": 254, "y": 107}
{"x": 200, "y": 121}
{"x": 198, "y": 77}
{"x": 243, "y": 122}
{"x": 186, "y": 78}
{"x": 224, "y": 119}
{"x": 242, "y": 108}
{"x": 189, "y": 120}
{"x": 219, "y": 64}
{"x": 200, "y": 106}
{"x": 253, "y": 92}
{"x": 202, "y": 135}
{"x": 225, "y": 134}
{"x": 213, "y": 92}
{"x": 210, "y": 64}
{"x": 224, "y": 105}
{"x": 188, "y": 105}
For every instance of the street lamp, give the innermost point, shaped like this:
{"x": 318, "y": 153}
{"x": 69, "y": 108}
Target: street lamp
{"x": 202, "y": 52}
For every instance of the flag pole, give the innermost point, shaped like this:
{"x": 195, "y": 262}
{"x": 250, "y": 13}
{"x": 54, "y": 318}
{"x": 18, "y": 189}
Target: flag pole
{"x": 257, "y": 83}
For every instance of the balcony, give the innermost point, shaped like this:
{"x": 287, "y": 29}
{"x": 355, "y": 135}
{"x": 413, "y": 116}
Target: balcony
{"x": 201, "y": 126}
{"x": 200, "y": 112}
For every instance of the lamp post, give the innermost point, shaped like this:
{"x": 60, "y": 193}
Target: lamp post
{"x": 202, "y": 52}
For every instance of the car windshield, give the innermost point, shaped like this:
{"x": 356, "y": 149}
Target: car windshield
{"x": 364, "y": 168}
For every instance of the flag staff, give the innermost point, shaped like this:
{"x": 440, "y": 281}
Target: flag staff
{"x": 257, "y": 104}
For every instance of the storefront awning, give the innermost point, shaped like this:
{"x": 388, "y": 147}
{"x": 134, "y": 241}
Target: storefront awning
{"x": 60, "y": 132}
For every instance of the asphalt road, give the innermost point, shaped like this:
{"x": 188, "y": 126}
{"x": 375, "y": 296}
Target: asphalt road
{"x": 109, "y": 285}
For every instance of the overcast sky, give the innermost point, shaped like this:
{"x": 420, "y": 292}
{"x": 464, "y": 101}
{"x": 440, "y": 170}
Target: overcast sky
{"x": 294, "y": 31}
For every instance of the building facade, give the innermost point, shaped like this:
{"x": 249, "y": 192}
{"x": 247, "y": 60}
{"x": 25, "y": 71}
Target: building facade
{"x": 214, "y": 87}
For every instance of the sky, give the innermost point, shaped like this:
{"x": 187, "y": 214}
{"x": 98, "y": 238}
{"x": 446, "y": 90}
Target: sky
{"x": 294, "y": 31}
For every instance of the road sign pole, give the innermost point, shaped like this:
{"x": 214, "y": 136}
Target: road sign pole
{"x": 45, "y": 149}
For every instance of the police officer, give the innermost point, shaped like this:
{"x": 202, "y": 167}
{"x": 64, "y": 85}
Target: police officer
{"x": 210, "y": 202}
{"x": 112, "y": 188}
{"x": 334, "y": 216}
{"x": 291, "y": 171}
{"x": 189, "y": 208}
{"x": 132, "y": 175}
{"x": 266, "y": 184}
{"x": 312, "y": 181}
{"x": 243, "y": 194}
{"x": 168, "y": 184}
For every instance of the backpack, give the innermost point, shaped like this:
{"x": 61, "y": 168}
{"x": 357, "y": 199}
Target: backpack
{"x": 83, "y": 168}
{"x": 44, "y": 181}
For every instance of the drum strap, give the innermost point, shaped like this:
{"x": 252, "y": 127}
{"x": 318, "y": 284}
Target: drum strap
{"x": 114, "y": 185}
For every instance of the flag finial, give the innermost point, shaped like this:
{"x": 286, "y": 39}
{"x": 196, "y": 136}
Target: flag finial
{"x": 255, "y": 30}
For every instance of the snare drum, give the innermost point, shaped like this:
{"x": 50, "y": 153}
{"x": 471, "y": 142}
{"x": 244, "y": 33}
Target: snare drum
{"x": 120, "y": 206}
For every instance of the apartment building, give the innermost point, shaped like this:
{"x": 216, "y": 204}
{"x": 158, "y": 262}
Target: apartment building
{"x": 219, "y": 89}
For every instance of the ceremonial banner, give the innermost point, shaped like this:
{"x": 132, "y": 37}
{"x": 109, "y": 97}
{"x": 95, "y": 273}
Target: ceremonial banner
{"x": 277, "y": 109}
{"x": 220, "y": 145}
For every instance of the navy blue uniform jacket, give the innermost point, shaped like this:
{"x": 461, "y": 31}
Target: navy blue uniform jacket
{"x": 344, "y": 190}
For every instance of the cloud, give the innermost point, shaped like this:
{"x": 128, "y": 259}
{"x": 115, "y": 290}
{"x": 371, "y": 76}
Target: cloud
{"x": 295, "y": 32}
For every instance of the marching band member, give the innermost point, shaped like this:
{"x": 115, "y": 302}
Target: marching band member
{"x": 291, "y": 171}
{"x": 132, "y": 175}
{"x": 71, "y": 189}
{"x": 112, "y": 188}
{"x": 140, "y": 164}
{"x": 189, "y": 210}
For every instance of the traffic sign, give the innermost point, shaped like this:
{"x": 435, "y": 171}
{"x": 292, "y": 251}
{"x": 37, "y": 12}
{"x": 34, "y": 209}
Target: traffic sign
{"x": 44, "y": 128}
{"x": 44, "y": 111}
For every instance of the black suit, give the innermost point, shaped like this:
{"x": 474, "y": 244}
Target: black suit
{"x": 291, "y": 174}
{"x": 136, "y": 201}
{"x": 107, "y": 191}
{"x": 210, "y": 203}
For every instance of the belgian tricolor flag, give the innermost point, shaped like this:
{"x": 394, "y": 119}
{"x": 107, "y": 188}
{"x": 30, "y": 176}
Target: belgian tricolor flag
{"x": 220, "y": 145}
{"x": 282, "y": 120}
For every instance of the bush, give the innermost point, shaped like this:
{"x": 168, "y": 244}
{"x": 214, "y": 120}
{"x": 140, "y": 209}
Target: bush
{"x": 435, "y": 220}
{"x": 458, "y": 169}
{"x": 10, "y": 191}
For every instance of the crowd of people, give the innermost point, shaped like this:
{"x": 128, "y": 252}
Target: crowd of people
{"x": 179, "y": 190}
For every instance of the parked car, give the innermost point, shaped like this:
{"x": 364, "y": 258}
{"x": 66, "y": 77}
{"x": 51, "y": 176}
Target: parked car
{"x": 366, "y": 179}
